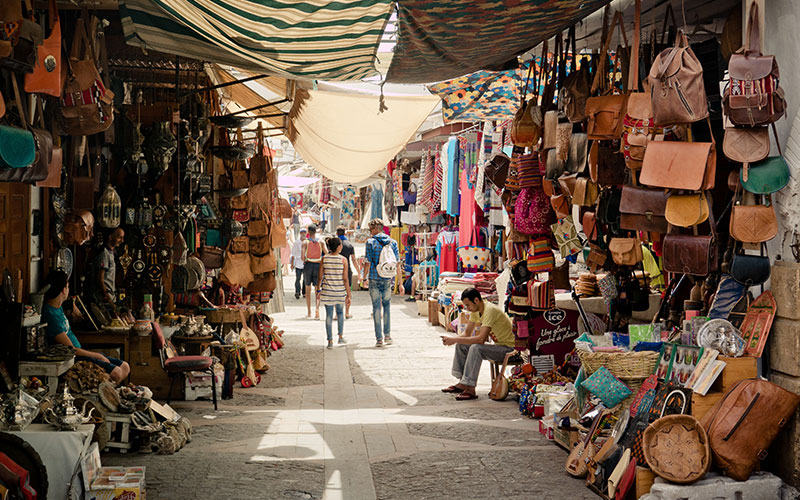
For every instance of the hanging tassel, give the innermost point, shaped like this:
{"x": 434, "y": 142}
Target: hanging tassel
{"x": 382, "y": 102}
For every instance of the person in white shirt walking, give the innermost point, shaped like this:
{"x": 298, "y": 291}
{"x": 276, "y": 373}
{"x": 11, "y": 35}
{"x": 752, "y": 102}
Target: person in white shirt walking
{"x": 297, "y": 264}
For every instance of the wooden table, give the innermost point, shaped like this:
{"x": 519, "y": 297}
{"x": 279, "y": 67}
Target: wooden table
{"x": 46, "y": 369}
{"x": 107, "y": 339}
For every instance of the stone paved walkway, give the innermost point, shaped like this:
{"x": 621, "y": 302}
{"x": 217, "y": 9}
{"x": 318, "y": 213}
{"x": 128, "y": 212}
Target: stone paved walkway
{"x": 358, "y": 422}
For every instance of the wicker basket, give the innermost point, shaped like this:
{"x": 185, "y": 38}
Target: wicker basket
{"x": 623, "y": 365}
{"x": 662, "y": 440}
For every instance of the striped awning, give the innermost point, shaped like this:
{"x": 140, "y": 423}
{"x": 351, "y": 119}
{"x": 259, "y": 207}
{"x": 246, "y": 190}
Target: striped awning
{"x": 312, "y": 39}
{"x": 444, "y": 39}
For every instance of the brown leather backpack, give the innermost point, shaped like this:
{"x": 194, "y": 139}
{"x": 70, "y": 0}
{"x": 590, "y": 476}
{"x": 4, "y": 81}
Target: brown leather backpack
{"x": 677, "y": 93}
{"x": 753, "y": 95}
{"x": 743, "y": 424}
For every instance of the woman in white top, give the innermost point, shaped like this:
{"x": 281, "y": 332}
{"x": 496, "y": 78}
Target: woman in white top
{"x": 332, "y": 288}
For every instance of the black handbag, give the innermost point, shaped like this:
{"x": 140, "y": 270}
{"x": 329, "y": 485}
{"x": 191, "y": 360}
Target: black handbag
{"x": 608, "y": 211}
{"x": 750, "y": 270}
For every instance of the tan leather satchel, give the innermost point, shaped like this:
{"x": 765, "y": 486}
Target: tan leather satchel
{"x": 747, "y": 145}
{"x": 549, "y": 132}
{"x": 687, "y": 210}
{"x": 260, "y": 264}
{"x": 236, "y": 269}
{"x": 753, "y": 223}
{"x": 680, "y": 165}
{"x": 626, "y": 251}
{"x": 642, "y": 209}
{"x": 605, "y": 113}
{"x": 743, "y": 424}
{"x": 585, "y": 193}
{"x": 677, "y": 91}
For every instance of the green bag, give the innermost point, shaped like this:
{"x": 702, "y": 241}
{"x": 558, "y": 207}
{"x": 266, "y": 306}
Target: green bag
{"x": 17, "y": 147}
{"x": 767, "y": 176}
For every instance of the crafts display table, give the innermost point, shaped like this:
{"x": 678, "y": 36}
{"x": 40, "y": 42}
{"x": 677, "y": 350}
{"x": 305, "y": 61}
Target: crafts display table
{"x": 61, "y": 453}
{"x": 49, "y": 370}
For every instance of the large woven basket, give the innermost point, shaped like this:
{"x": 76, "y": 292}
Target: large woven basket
{"x": 676, "y": 448}
{"x": 623, "y": 365}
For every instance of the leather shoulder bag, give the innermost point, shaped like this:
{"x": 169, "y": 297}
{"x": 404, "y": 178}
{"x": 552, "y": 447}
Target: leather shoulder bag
{"x": 606, "y": 112}
{"x": 680, "y": 165}
{"x": 753, "y": 95}
{"x": 642, "y": 209}
{"x": 750, "y": 270}
{"x": 46, "y": 76}
{"x": 768, "y": 175}
{"x": 753, "y": 223}
{"x": 677, "y": 92}
{"x": 577, "y": 86}
{"x": 686, "y": 210}
{"x": 692, "y": 254}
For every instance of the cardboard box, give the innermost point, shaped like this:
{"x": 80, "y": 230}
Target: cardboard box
{"x": 736, "y": 369}
{"x": 110, "y": 483}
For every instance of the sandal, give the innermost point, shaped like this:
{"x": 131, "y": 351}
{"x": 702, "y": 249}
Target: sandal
{"x": 452, "y": 389}
{"x": 465, "y": 396}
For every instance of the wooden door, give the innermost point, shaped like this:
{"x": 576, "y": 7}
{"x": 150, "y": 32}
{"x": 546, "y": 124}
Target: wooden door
{"x": 15, "y": 201}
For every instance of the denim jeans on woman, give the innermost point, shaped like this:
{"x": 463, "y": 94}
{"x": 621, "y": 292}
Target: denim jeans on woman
{"x": 329, "y": 319}
{"x": 380, "y": 291}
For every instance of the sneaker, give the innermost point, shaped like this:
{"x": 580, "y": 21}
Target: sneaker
{"x": 379, "y": 343}
{"x": 341, "y": 340}
{"x": 411, "y": 299}
{"x": 330, "y": 344}
{"x": 297, "y": 296}
{"x": 387, "y": 340}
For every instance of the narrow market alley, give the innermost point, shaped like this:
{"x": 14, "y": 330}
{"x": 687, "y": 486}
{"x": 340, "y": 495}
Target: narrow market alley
{"x": 359, "y": 422}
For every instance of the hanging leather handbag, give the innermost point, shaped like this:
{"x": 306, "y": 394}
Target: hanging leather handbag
{"x": 78, "y": 227}
{"x": 497, "y": 170}
{"x": 597, "y": 257}
{"x": 86, "y": 102}
{"x": 753, "y": 96}
{"x": 240, "y": 179}
{"x": 258, "y": 227}
{"x": 525, "y": 130}
{"x": 20, "y": 37}
{"x": 554, "y": 166}
{"x": 767, "y": 176}
{"x": 753, "y": 223}
{"x": 17, "y": 148}
{"x": 240, "y": 244}
{"x": 605, "y": 113}
{"x": 687, "y": 210}
{"x": 260, "y": 164}
{"x": 750, "y": 270}
{"x": 685, "y": 254}
{"x": 212, "y": 257}
{"x": 608, "y": 211}
{"x": 585, "y": 193}
{"x": 680, "y": 165}
{"x": 236, "y": 269}
{"x": 589, "y": 225}
{"x": 576, "y": 86}
{"x": 743, "y": 424}
{"x": 549, "y": 129}
{"x": 642, "y": 209}
{"x": 561, "y": 205}
{"x": 263, "y": 283}
{"x": 578, "y": 150}
{"x": 606, "y": 164}
{"x": 626, "y": 251}
{"x": 239, "y": 202}
{"x": 260, "y": 264}
{"x": 677, "y": 92}
{"x": 278, "y": 233}
{"x": 746, "y": 145}
{"x": 284, "y": 208}
{"x": 260, "y": 245}
{"x": 46, "y": 76}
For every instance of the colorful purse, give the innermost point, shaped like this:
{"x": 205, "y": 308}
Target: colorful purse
{"x": 541, "y": 295}
{"x": 474, "y": 258}
{"x": 607, "y": 387}
{"x": 540, "y": 257}
{"x": 567, "y": 237}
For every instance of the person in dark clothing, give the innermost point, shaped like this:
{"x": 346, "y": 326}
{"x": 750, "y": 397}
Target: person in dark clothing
{"x": 349, "y": 253}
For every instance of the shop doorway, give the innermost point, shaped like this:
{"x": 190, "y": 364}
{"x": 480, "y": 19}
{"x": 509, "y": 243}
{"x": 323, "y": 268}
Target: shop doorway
{"x": 15, "y": 199}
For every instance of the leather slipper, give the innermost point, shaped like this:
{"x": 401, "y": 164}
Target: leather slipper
{"x": 452, "y": 389}
{"x": 466, "y": 396}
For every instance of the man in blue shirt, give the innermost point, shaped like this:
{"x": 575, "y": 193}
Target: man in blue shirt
{"x": 58, "y": 330}
{"x": 380, "y": 288}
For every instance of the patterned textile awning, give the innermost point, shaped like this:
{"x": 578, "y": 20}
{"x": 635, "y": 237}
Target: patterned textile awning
{"x": 312, "y": 39}
{"x": 443, "y": 39}
{"x": 480, "y": 96}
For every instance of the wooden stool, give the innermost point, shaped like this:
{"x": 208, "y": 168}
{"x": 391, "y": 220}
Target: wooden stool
{"x": 495, "y": 368}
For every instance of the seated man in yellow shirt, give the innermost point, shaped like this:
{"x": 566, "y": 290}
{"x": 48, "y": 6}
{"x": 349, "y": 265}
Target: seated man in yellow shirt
{"x": 472, "y": 349}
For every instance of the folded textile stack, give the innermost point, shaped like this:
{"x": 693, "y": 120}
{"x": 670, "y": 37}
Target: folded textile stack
{"x": 586, "y": 286}
{"x": 455, "y": 282}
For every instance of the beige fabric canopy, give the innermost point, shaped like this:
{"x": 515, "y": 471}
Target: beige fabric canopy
{"x": 345, "y": 138}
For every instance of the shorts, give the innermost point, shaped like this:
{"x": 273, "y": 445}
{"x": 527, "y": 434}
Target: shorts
{"x": 108, "y": 367}
{"x": 311, "y": 273}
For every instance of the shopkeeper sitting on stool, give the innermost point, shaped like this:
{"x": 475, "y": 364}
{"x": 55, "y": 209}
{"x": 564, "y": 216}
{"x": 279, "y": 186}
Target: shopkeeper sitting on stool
{"x": 472, "y": 349}
{"x": 58, "y": 329}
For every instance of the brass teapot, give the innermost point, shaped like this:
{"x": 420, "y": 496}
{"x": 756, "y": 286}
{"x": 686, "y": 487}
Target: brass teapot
{"x": 63, "y": 414}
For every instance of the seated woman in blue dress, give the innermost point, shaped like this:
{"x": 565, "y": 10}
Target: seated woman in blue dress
{"x": 59, "y": 332}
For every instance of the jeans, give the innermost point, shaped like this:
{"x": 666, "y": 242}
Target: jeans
{"x": 468, "y": 358}
{"x": 329, "y": 319}
{"x": 380, "y": 291}
{"x": 296, "y": 229}
{"x": 298, "y": 282}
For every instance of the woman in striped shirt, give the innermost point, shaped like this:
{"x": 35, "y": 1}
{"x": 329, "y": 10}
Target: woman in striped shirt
{"x": 332, "y": 287}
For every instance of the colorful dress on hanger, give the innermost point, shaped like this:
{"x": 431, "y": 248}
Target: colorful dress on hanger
{"x": 438, "y": 177}
{"x": 453, "y": 160}
{"x": 446, "y": 247}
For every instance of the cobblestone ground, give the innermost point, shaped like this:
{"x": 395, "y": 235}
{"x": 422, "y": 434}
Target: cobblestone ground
{"x": 358, "y": 422}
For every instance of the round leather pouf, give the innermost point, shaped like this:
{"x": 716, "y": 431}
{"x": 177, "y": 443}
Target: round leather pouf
{"x": 26, "y": 457}
{"x": 676, "y": 448}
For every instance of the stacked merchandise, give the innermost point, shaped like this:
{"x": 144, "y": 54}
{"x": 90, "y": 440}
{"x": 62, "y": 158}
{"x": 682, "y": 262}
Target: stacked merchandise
{"x": 643, "y": 213}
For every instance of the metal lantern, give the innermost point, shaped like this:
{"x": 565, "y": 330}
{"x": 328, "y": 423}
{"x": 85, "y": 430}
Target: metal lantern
{"x": 109, "y": 208}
